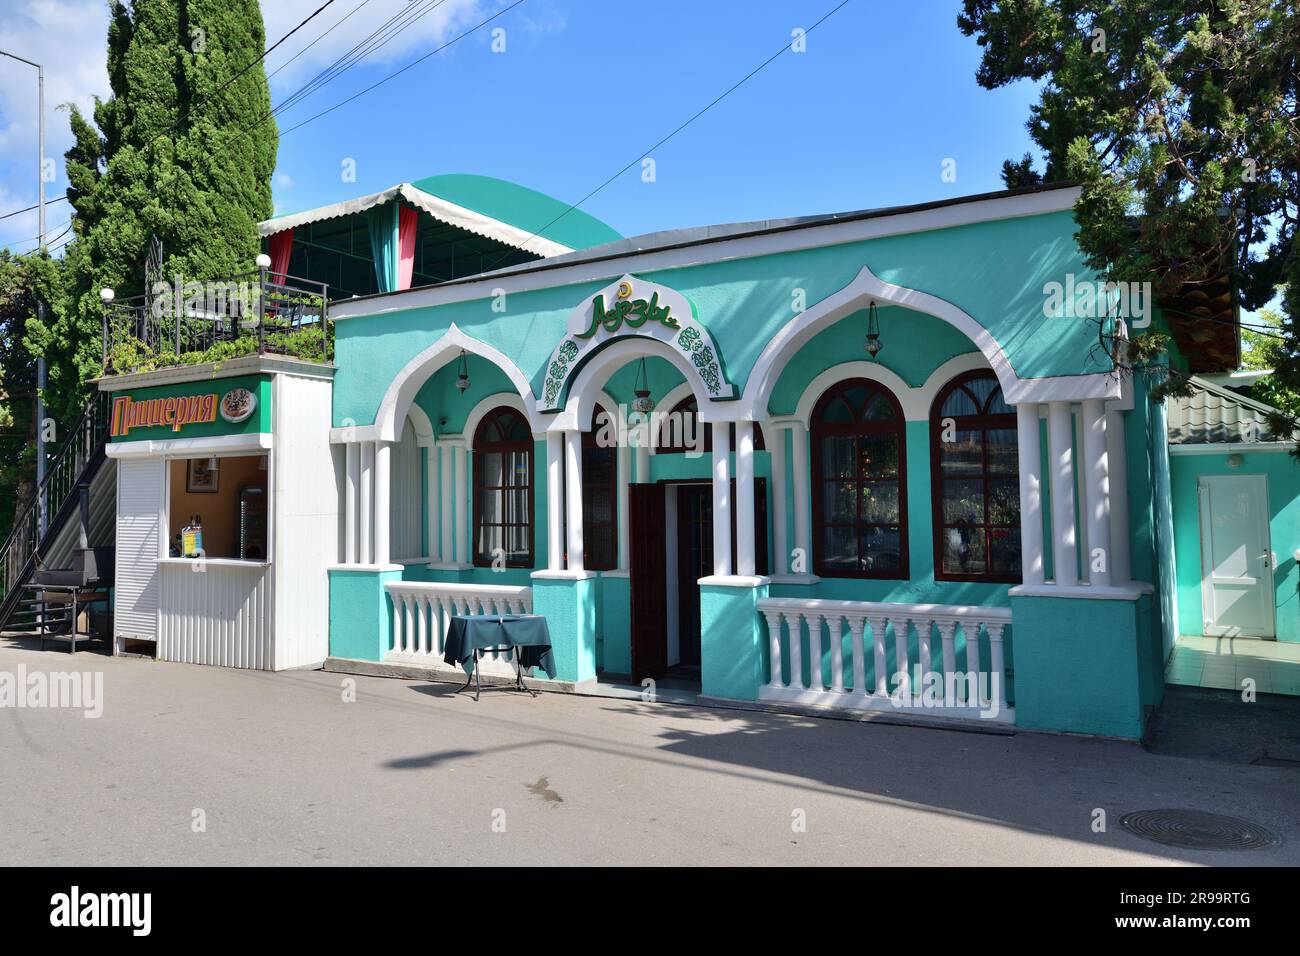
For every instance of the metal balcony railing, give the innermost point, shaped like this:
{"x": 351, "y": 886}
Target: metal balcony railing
{"x": 219, "y": 319}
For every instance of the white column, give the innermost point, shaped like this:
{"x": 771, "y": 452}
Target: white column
{"x": 383, "y": 516}
{"x": 642, "y": 465}
{"x": 622, "y": 477}
{"x": 351, "y": 488}
{"x": 1031, "y": 494}
{"x": 746, "y": 532}
{"x": 802, "y": 502}
{"x": 431, "y": 501}
{"x": 445, "y": 502}
{"x": 1117, "y": 471}
{"x": 365, "y": 553}
{"x": 1060, "y": 449}
{"x": 555, "y": 501}
{"x": 722, "y": 498}
{"x": 464, "y": 503}
{"x": 1096, "y": 474}
{"x": 573, "y": 495}
{"x": 780, "y": 541}
{"x": 1081, "y": 496}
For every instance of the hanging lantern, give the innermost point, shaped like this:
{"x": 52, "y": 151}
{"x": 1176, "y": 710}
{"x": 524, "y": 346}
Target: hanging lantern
{"x": 642, "y": 403}
{"x": 874, "y": 344}
{"x": 462, "y": 375}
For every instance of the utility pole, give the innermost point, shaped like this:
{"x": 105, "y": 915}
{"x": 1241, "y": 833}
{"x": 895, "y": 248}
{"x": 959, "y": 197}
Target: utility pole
{"x": 41, "y": 516}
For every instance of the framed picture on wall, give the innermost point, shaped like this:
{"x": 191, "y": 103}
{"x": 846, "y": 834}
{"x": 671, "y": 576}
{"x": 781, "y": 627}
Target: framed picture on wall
{"x": 201, "y": 476}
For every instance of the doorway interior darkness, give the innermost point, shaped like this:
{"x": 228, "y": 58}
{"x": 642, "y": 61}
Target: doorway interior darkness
{"x": 693, "y": 552}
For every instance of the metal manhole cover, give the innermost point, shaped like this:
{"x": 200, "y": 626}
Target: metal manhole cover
{"x": 1198, "y": 830}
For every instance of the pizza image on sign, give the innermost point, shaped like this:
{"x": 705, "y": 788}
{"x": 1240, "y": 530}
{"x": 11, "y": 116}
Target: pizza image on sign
{"x": 237, "y": 404}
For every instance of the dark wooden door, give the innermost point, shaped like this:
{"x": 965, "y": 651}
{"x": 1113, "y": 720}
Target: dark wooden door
{"x": 694, "y": 561}
{"x": 649, "y": 581}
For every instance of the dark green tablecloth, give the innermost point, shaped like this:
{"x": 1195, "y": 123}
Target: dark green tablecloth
{"x": 526, "y": 632}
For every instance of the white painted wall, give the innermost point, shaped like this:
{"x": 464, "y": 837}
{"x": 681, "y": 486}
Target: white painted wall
{"x": 215, "y": 612}
{"x": 405, "y": 498}
{"x": 304, "y": 521}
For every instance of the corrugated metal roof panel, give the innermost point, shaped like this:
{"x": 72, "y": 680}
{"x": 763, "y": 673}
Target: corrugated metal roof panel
{"x": 1212, "y": 415}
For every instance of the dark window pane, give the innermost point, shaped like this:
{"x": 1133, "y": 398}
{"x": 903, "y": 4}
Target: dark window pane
{"x": 838, "y": 504}
{"x": 838, "y": 410}
{"x": 1004, "y": 556}
{"x": 964, "y": 455}
{"x": 963, "y": 502}
{"x": 881, "y": 549}
{"x": 1004, "y": 459}
{"x": 1004, "y": 501}
{"x": 878, "y": 409}
{"x": 963, "y": 550}
{"x": 958, "y": 403}
{"x": 878, "y": 456}
{"x": 837, "y": 456}
{"x": 839, "y": 551}
{"x": 880, "y": 502}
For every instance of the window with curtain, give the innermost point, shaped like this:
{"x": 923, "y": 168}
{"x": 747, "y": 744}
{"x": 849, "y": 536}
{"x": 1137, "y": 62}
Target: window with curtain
{"x": 859, "y": 483}
{"x": 976, "y": 482}
{"x": 503, "y": 489}
{"x": 599, "y": 497}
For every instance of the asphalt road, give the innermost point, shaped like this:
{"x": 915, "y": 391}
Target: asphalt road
{"x": 279, "y": 770}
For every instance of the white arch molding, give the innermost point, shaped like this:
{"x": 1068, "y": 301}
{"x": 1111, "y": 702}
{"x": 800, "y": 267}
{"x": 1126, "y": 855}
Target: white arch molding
{"x": 916, "y": 401}
{"x": 866, "y": 287}
{"x": 401, "y": 392}
{"x": 586, "y": 387}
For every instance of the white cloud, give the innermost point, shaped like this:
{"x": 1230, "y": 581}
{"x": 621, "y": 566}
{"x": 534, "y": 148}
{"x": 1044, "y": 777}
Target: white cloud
{"x": 284, "y": 180}
{"x": 70, "y": 36}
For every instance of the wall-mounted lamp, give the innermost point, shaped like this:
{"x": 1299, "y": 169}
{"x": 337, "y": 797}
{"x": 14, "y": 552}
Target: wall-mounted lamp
{"x": 462, "y": 374}
{"x": 642, "y": 403}
{"x": 873, "y": 344}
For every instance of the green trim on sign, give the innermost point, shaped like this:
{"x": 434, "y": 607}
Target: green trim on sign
{"x": 258, "y": 422}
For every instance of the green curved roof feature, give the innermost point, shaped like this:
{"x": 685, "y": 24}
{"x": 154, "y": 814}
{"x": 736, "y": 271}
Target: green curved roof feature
{"x": 521, "y": 207}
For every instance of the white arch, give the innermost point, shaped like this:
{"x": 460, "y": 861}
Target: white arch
{"x": 865, "y": 287}
{"x": 586, "y": 387}
{"x": 916, "y": 401}
{"x": 401, "y": 392}
{"x": 487, "y": 404}
{"x": 423, "y": 427}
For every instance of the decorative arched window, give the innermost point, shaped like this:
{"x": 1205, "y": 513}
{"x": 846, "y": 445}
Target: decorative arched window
{"x": 600, "y": 492}
{"x": 975, "y": 481}
{"x": 503, "y": 489}
{"x": 859, "y": 478}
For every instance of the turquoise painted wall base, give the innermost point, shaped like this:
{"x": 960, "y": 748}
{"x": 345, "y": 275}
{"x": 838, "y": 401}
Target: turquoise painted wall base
{"x": 732, "y": 637}
{"x": 360, "y": 615}
{"x": 568, "y": 602}
{"x": 1085, "y": 665}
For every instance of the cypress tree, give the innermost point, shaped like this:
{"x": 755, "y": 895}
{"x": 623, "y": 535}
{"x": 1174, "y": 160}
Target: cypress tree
{"x": 183, "y": 149}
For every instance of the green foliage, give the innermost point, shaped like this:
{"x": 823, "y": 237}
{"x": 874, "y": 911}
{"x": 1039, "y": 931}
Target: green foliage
{"x": 174, "y": 153}
{"x": 1178, "y": 121}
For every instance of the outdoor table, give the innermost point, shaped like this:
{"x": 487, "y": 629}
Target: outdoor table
{"x": 470, "y": 635}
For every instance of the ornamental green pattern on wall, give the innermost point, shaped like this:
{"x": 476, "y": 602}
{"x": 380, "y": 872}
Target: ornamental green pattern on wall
{"x": 641, "y": 309}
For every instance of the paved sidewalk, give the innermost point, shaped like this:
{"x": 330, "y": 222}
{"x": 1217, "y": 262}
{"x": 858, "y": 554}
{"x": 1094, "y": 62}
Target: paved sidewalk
{"x": 282, "y": 771}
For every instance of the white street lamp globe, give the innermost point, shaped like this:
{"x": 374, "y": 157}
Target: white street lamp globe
{"x": 263, "y": 261}
{"x": 106, "y": 295}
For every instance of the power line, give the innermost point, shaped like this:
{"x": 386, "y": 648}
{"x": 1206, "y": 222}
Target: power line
{"x": 272, "y": 47}
{"x": 19, "y": 242}
{"x": 30, "y": 208}
{"x": 317, "y": 40}
{"x": 714, "y": 102}
{"x": 413, "y": 63}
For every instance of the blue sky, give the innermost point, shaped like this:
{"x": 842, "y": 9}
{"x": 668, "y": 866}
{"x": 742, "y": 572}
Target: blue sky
{"x": 865, "y": 117}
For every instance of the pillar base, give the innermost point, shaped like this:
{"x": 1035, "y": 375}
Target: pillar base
{"x": 567, "y": 599}
{"x": 360, "y": 612}
{"x": 733, "y": 638}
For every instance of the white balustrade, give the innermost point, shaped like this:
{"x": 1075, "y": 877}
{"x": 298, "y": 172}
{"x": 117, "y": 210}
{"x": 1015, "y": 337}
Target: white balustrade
{"x": 975, "y": 690}
{"x": 422, "y": 613}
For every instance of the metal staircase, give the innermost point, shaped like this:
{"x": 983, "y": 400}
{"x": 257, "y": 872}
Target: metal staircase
{"x": 28, "y": 551}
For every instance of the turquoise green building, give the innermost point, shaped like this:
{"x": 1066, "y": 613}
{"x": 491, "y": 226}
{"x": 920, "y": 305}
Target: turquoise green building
{"x": 882, "y": 461}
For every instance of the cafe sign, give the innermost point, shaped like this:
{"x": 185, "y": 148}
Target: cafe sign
{"x": 635, "y": 307}
{"x": 198, "y": 409}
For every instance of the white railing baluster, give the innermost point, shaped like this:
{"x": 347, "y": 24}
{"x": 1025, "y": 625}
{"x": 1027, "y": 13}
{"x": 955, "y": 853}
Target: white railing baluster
{"x": 970, "y": 631}
{"x": 835, "y": 629}
{"x": 997, "y": 669}
{"x": 947, "y": 632}
{"x": 923, "y": 651}
{"x": 856, "y": 625}
{"x": 882, "y": 667}
{"x": 774, "y": 647}
{"x": 794, "y": 622}
{"x": 902, "y": 666}
{"x": 815, "y": 652}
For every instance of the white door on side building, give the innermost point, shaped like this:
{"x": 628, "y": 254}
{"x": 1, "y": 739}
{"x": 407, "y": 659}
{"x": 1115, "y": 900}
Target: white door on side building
{"x": 1236, "y": 556}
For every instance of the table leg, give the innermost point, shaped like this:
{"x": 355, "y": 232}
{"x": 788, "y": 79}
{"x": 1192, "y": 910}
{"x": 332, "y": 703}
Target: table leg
{"x": 72, "y": 629}
{"x": 478, "y": 662}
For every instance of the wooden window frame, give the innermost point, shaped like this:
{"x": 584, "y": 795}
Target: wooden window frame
{"x": 983, "y": 422}
{"x": 480, "y": 448}
{"x": 589, "y": 444}
{"x": 816, "y": 431}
